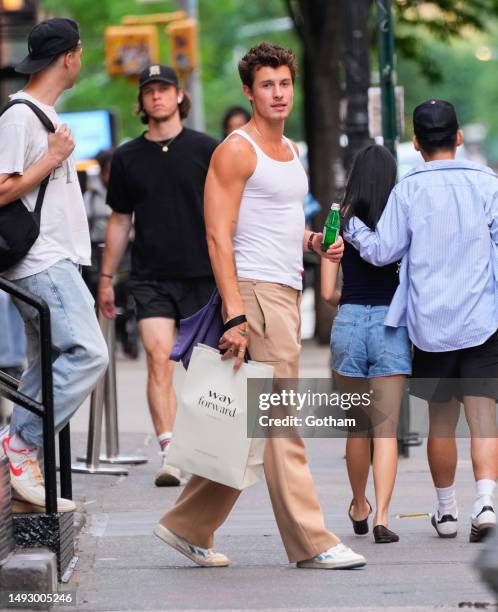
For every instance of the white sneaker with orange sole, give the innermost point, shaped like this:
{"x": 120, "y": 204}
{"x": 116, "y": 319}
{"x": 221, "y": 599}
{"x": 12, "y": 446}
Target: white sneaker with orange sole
{"x": 27, "y": 481}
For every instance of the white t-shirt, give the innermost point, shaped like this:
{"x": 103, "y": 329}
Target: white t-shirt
{"x": 64, "y": 227}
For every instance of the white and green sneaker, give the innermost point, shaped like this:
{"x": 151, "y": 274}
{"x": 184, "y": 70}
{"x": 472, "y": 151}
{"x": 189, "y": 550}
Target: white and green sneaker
{"x": 206, "y": 557}
{"x": 337, "y": 557}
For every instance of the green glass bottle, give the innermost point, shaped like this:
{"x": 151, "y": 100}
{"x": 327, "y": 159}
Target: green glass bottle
{"x": 332, "y": 227}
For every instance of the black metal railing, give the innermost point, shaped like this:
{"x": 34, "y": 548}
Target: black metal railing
{"x": 45, "y": 408}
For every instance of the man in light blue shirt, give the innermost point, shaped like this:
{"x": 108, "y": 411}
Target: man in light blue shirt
{"x": 441, "y": 220}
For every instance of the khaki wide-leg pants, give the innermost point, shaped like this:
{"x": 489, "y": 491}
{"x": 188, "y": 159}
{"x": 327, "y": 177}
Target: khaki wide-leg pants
{"x": 273, "y": 315}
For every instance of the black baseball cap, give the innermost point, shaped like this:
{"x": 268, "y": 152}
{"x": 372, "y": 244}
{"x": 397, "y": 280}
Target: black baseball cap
{"x": 158, "y": 72}
{"x": 46, "y": 41}
{"x": 434, "y": 120}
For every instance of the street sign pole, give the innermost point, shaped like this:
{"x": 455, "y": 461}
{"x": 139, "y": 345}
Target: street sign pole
{"x": 386, "y": 72}
{"x": 193, "y": 84}
{"x": 356, "y": 51}
{"x": 389, "y": 132}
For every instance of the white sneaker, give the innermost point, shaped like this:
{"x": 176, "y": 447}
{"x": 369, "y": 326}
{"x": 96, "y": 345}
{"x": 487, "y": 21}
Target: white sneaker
{"x": 482, "y": 524}
{"x": 168, "y": 475}
{"x": 445, "y": 525}
{"x": 27, "y": 481}
{"x": 337, "y": 557}
{"x": 206, "y": 557}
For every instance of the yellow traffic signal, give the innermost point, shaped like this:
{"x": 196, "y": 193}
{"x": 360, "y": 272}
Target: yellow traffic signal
{"x": 183, "y": 42}
{"x": 130, "y": 49}
{"x": 12, "y": 5}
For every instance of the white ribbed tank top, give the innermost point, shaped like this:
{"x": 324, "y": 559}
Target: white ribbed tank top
{"x": 268, "y": 239}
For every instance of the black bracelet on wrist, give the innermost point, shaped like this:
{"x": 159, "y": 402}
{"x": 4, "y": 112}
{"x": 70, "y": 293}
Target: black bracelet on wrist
{"x": 111, "y": 276}
{"x": 233, "y": 322}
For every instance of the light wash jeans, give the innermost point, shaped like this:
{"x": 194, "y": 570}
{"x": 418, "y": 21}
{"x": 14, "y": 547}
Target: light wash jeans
{"x": 12, "y": 340}
{"x": 79, "y": 349}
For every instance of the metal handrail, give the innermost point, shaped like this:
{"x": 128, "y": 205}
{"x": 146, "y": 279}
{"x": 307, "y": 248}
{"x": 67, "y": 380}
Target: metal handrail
{"x": 45, "y": 408}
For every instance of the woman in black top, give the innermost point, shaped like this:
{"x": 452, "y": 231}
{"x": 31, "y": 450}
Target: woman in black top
{"x": 368, "y": 357}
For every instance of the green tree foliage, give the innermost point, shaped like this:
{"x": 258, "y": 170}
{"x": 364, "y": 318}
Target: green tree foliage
{"x": 437, "y": 20}
{"x": 471, "y": 85}
{"x": 436, "y": 44}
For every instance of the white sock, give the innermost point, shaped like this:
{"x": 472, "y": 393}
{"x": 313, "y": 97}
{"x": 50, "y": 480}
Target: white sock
{"x": 485, "y": 489}
{"x": 19, "y": 444}
{"x": 164, "y": 439}
{"x": 446, "y": 497}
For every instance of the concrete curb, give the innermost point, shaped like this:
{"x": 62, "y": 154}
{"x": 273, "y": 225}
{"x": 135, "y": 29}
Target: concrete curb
{"x": 30, "y": 570}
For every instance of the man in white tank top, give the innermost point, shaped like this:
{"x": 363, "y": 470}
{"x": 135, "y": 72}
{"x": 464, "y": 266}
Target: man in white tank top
{"x": 254, "y": 196}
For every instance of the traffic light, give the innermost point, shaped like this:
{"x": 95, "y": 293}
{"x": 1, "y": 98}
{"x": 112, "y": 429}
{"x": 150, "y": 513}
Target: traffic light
{"x": 12, "y": 5}
{"x": 183, "y": 45}
{"x": 130, "y": 49}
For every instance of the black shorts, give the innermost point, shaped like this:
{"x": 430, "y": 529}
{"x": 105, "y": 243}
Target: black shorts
{"x": 438, "y": 377}
{"x": 171, "y": 299}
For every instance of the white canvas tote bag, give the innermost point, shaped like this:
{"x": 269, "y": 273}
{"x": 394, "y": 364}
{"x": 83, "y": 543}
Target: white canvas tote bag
{"x": 210, "y": 436}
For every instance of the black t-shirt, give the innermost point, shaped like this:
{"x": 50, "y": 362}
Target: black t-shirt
{"x": 165, "y": 192}
{"x": 364, "y": 283}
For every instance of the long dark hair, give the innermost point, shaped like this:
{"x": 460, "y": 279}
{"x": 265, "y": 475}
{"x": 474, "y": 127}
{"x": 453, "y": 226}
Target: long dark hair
{"x": 372, "y": 177}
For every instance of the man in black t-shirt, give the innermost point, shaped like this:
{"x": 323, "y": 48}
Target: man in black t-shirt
{"x": 158, "y": 179}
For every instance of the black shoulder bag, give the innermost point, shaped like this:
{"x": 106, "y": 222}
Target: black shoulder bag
{"x": 19, "y": 228}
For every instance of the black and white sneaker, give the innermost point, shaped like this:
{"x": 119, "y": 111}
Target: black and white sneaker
{"x": 482, "y": 524}
{"x": 446, "y": 525}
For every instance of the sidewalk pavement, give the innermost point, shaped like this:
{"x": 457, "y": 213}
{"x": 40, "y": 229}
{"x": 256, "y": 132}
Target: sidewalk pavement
{"x": 123, "y": 566}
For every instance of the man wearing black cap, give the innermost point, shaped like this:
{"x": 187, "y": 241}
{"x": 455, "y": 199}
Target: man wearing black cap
{"x": 159, "y": 178}
{"x": 442, "y": 220}
{"x": 50, "y": 269}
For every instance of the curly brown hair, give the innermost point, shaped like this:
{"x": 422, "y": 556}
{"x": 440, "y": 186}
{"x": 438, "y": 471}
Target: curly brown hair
{"x": 266, "y": 54}
{"x": 183, "y": 107}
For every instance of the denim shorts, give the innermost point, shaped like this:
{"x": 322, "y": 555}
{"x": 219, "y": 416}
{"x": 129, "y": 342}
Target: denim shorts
{"x": 362, "y": 346}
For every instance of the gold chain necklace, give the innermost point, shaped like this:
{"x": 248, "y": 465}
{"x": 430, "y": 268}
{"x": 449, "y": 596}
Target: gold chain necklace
{"x": 165, "y": 144}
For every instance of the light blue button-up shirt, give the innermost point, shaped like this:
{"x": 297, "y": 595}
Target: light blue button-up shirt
{"x": 441, "y": 220}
